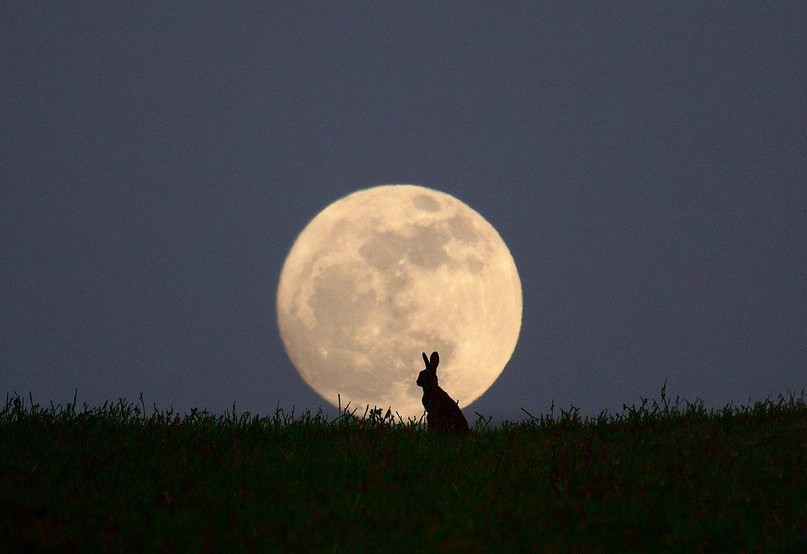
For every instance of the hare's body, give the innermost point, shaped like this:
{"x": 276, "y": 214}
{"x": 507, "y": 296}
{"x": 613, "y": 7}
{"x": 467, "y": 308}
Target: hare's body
{"x": 442, "y": 413}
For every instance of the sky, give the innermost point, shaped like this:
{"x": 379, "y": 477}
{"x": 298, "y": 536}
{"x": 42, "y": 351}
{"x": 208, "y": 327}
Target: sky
{"x": 645, "y": 163}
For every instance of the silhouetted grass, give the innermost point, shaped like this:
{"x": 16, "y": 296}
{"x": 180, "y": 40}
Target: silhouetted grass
{"x": 658, "y": 476}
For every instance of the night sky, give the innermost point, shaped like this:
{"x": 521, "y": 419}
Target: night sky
{"x": 644, "y": 162}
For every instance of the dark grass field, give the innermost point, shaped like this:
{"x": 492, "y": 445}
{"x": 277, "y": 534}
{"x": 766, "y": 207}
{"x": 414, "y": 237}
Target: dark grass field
{"x": 659, "y": 476}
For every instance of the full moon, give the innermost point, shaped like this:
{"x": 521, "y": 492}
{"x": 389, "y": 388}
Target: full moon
{"x": 386, "y": 273}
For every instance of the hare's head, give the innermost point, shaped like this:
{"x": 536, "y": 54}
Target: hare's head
{"x": 428, "y": 377}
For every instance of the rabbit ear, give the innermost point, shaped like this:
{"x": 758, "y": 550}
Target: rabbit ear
{"x": 426, "y": 361}
{"x": 435, "y": 359}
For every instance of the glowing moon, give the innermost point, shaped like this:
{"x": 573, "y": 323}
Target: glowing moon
{"x": 386, "y": 273}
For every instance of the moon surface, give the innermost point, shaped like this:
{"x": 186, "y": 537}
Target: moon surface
{"x": 386, "y": 273}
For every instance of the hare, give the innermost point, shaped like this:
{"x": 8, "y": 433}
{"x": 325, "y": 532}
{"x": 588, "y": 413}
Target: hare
{"x": 442, "y": 413}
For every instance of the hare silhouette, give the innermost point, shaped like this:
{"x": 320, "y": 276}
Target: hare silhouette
{"x": 442, "y": 413}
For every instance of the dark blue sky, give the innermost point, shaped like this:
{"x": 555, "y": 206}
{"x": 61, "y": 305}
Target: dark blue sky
{"x": 645, "y": 163}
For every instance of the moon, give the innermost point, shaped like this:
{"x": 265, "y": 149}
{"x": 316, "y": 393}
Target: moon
{"x": 386, "y": 273}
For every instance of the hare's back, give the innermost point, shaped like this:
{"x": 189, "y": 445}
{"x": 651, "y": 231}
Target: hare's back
{"x": 450, "y": 414}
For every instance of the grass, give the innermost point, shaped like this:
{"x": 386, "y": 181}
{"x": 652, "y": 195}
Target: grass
{"x": 660, "y": 476}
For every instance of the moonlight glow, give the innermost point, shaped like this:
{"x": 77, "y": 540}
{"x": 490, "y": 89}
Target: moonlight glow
{"x": 386, "y": 273}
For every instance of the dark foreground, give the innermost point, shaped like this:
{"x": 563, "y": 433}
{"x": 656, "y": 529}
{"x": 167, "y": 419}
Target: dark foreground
{"x": 656, "y": 477}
